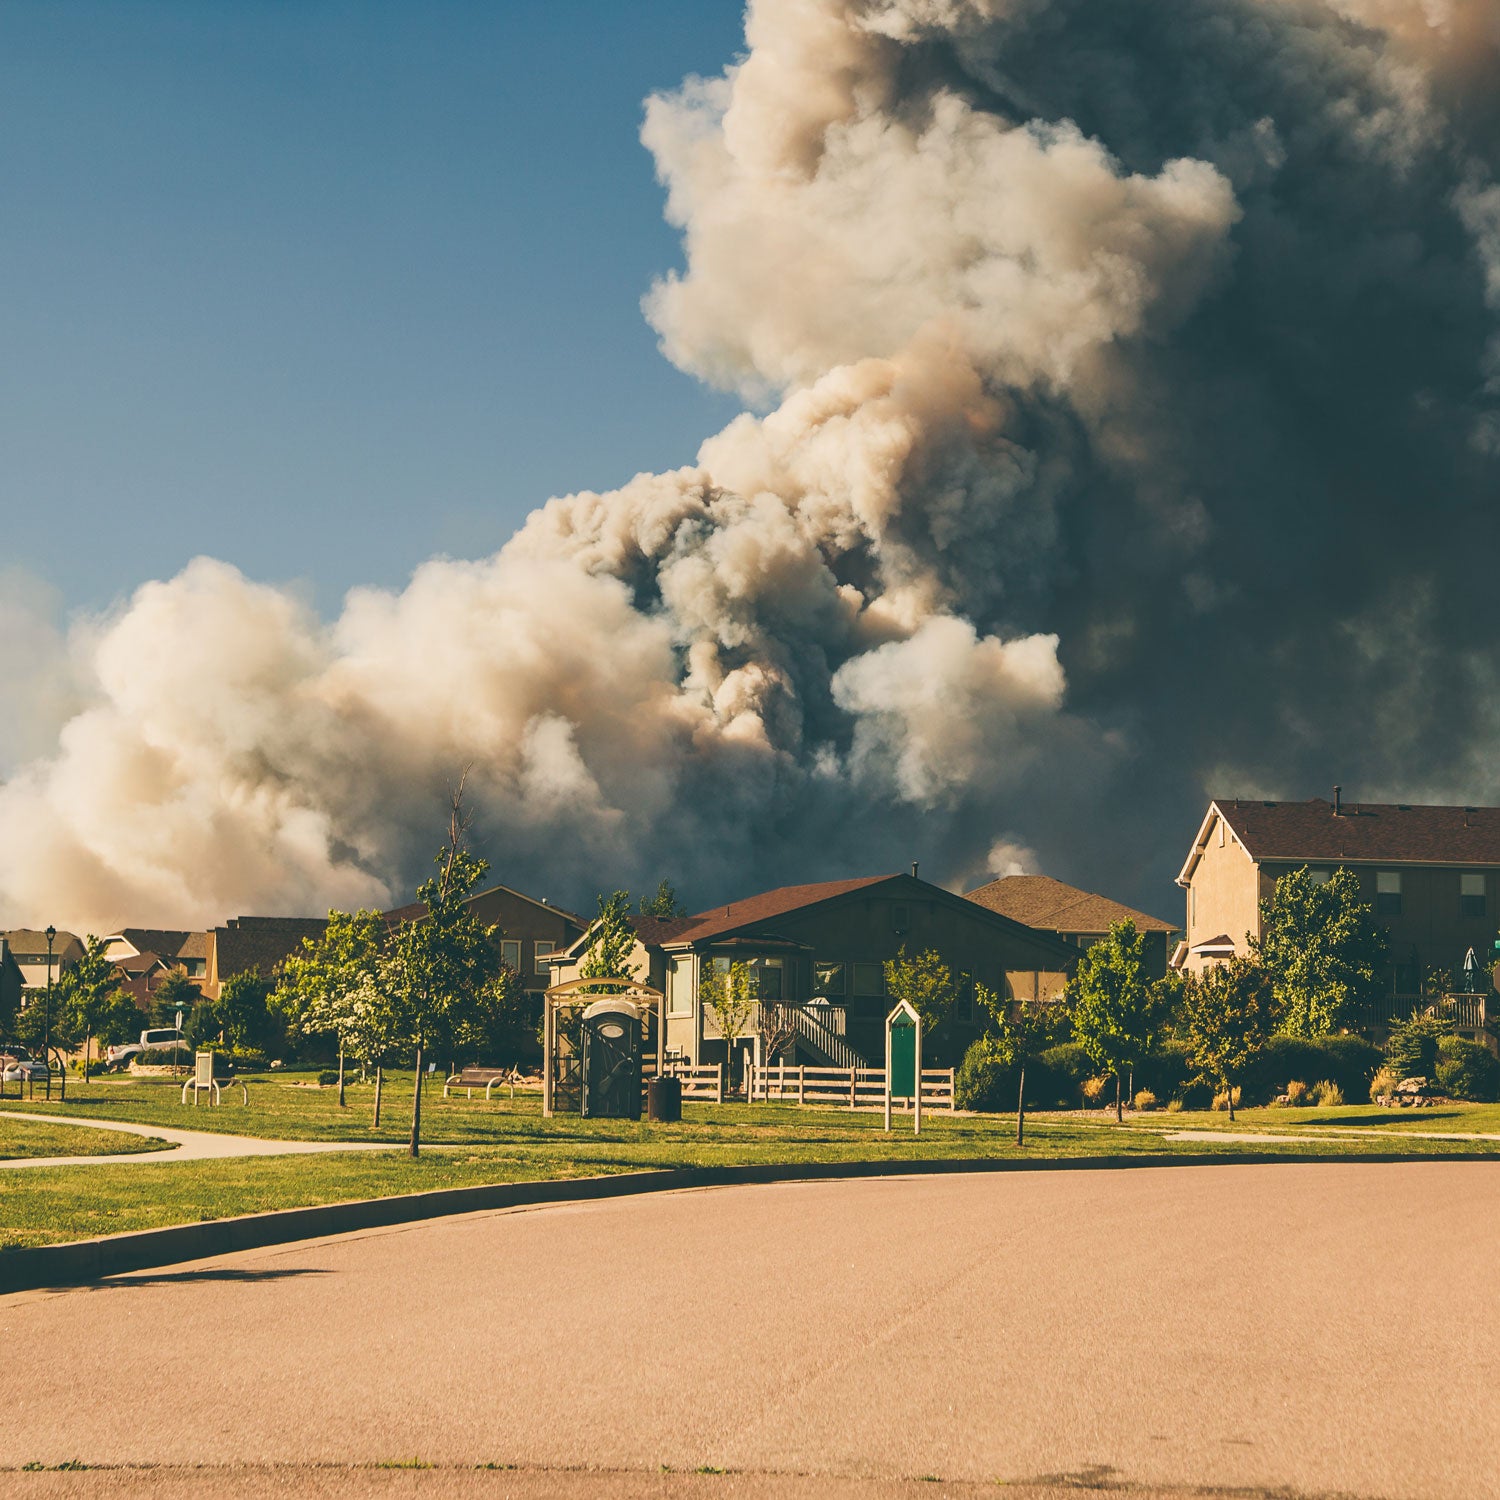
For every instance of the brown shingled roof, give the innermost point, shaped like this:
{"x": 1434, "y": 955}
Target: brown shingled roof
{"x": 1041, "y": 901}
{"x": 1364, "y": 831}
{"x": 259, "y": 944}
{"x": 761, "y": 908}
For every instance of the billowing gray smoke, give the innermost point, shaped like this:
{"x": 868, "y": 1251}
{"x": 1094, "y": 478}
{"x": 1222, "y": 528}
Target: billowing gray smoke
{"x": 1133, "y": 379}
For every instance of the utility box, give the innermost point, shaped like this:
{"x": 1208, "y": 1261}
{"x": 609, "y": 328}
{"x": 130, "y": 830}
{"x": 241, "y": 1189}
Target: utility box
{"x": 611, "y": 1061}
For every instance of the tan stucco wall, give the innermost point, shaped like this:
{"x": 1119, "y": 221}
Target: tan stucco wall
{"x": 1223, "y": 894}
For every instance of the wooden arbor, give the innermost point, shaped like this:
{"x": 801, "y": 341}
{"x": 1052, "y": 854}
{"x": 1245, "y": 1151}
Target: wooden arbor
{"x": 579, "y": 994}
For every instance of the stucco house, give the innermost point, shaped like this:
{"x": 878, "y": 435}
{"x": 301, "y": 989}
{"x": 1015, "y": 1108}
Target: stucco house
{"x": 1078, "y": 917}
{"x": 820, "y": 950}
{"x": 28, "y": 947}
{"x": 1431, "y": 875}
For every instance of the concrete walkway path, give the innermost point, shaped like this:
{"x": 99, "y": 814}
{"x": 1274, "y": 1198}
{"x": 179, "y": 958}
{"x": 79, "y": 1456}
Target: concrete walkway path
{"x": 188, "y": 1145}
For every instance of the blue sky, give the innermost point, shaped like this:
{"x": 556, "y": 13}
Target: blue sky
{"x": 324, "y": 289}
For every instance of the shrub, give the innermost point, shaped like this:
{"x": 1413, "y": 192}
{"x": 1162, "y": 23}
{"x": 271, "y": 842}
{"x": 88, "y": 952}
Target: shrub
{"x": 1348, "y": 1061}
{"x": 1221, "y": 1099}
{"x": 1412, "y": 1048}
{"x": 1384, "y": 1082}
{"x": 328, "y": 1077}
{"x": 1066, "y": 1069}
{"x": 1174, "y": 1106}
{"x": 1094, "y": 1089}
{"x": 1298, "y": 1095}
{"x": 164, "y": 1057}
{"x": 1167, "y": 1071}
{"x": 983, "y": 1081}
{"x": 1467, "y": 1070}
{"x": 1353, "y": 1063}
{"x": 244, "y": 1060}
{"x": 1145, "y": 1099}
{"x": 1327, "y": 1094}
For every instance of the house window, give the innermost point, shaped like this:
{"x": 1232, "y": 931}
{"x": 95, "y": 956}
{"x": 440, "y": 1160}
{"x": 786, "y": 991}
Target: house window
{"x": 544, "y": 948}
{"x": 1318, "y": 877}
{"x": 510, "y": 955}
{"x": 1388, "y": 893}
{"x": 680, "y": 991}
{"x": 828, "y": 978}
{"x": 869, "y": 979}
{"x": 768, "y": 978}
{"x": 1471, "y": 895}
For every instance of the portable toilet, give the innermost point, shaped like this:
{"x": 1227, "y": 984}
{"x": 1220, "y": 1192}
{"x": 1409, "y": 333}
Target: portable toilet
{"x": 611, "y": 1060}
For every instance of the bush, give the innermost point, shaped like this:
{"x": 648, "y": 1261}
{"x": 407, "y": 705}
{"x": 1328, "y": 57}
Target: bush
{"x": 1298, "y": 1095}
{"x": 1221, "y": 1099}
{"x": 328, "y": 1077}
{"x": 1412, "y": 1048}
{"x": 164, "y": 1057}
{"x": 1094, "y": 1089}
{"x": 1145, "y": 1099}
{"x": 1350, "y": 1062}
{"x": 983, "y": 1081}
{"x": 1174, "y": 1106}
{"x": 1384, "y": 1082}
{"x": 1327, "y": 1094}
{"x": 1066, "y": 1069}
{"x": 1467, "y": 1070}
{"x": 1353, "y": 1063}
{"x": 1167, "y": 1072}
{"x": 243, "y": 1060}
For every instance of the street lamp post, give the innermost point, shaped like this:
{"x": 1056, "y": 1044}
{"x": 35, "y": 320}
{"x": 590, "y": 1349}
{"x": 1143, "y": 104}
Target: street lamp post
{"x": 47, "y": 1044}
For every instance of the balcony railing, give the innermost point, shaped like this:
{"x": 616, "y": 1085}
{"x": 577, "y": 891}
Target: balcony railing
{"x": 1467, "y": 1012}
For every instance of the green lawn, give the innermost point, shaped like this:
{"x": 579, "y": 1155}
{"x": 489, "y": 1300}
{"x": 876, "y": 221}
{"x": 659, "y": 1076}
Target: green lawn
{"x": 506, "y": 1141}
{"x": 27, "y": 1138}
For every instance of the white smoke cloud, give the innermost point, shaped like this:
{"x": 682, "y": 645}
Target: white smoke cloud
{"x": 1050, "y": 328}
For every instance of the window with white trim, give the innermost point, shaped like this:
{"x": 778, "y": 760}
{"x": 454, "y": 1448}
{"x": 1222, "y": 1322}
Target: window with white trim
{"x": 510, "y": 954}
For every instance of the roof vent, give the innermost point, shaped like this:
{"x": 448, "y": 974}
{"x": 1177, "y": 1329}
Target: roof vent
{"x": 1338, "y": 801}
{"x": 913, "y": 869}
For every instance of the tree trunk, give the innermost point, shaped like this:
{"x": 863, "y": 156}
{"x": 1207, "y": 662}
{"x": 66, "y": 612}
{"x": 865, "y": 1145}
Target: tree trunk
{"x": 1119, "y": 1101}
{"x": 1229, "y": 1092}
{"x": 375, "y": 1123}
{"x": 415, "y": 1148}
{"x": 62, "y": 1075}
{"x": 341, "y": 1075}
{"x": 88, "y": 1041}
{"x": 1021, "y": 1108}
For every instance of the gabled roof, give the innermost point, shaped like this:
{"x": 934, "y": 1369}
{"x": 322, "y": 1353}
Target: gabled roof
{"x": 258, "y": 944}
{"x": 416, "y": 910}
{"x": 1359, "y": 833}
{"x": 164, "y": 941}
{"x": 750, "y": 912}
{"x": 32, "y": 940}
{"x": 1041, "y": 901}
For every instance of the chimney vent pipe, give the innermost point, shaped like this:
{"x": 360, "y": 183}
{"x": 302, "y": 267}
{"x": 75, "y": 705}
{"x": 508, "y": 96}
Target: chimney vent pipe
{"x": 913, "y": 869}
{"x": 1338, "y": 801}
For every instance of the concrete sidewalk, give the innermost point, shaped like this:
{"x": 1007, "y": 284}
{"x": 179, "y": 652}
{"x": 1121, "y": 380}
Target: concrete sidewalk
{"x": 188, "y": 1145}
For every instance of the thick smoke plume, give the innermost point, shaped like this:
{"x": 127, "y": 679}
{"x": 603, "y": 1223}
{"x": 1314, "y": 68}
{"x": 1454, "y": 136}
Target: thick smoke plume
{"x": 1131, "y": 379}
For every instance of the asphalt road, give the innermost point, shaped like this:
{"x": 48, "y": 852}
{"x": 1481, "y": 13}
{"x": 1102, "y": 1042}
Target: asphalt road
{"x": 1308, "y": 1329}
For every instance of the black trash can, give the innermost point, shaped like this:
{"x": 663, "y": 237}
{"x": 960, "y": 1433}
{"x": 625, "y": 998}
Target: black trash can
{"x": 664, "y": 1099}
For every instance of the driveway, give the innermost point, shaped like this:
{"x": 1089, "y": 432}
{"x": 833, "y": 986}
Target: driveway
{"x": 1323, "y": 1328}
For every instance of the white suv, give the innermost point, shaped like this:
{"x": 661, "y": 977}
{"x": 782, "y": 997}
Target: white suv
{"x": 161, "y": 1036}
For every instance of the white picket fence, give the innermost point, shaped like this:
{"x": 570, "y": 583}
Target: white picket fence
{"x": 855, "y": 1088}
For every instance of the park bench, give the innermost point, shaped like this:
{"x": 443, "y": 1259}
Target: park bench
{"x": 482, "y": 1078}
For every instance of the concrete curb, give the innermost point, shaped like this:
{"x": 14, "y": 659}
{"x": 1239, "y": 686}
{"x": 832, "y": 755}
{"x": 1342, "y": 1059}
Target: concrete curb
{"x": 81, "y": 1261}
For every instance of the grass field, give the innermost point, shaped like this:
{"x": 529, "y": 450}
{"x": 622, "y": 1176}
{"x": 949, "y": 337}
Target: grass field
{"x": 505, "y": 1141}
{"x": 31, "y": 1138}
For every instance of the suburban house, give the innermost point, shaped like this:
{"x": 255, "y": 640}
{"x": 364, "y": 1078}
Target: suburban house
{"x": 146, "y": 955}
{"x": 1431, "y": 874}
{"x": 1078, "y": 917}
{"x": 530, "y": 931}
{"x": 255, "y": 945}
{"x": 820, "y": 951}
{"x": 29, "y": 949}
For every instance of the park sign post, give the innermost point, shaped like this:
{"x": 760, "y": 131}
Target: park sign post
{"x": 903, "y": 1061}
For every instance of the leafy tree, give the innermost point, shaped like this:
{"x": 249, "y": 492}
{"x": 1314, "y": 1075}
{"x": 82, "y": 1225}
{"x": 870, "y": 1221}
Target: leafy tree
{"x": 372, "y": 1024}
{"x": 316, "y": 986}
{"x": 1023, "y": 1031}
{"x": 729, "y": 992}
{"x": 442, "y": 969}
{"x": 663, "y": 904}
{"x": 1228, "y": 1016}
{"x": 90, "y": 1002}
{"x": 1325, "y": 952}
{"x": 1115, "y": 1010}
{"x": 926, "y": 983}
{"x": 48, "y": 1027}
{"x": 175, "y": 992}
{"x": 611, "y": 941}
{"x": 243, "y": 1009}
{"x": 1411, "y": 1049}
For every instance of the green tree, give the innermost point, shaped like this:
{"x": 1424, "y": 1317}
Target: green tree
{"x": 664, "y": 904}
{"x": 443, "y": 967}
{"x": 90, "y": 1002}
{"x": 1325, "y": 952}
{"x": 243, "y": 1009}
{"x": 926, "y": 983}
{"x": 728, "y": 990}
{"x": 316, "y": 985}
{"x": 1227, "y": 1017}
{"x": 1411, "y": 1049}
{"x": 175, "y": 992}
{"x": 612, "y": 940}
{"x": 1116, "y": 1011}
{"x": 1022, "y": 1031}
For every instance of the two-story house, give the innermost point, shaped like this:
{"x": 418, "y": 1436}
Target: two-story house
{"x": 1431, "y": 874}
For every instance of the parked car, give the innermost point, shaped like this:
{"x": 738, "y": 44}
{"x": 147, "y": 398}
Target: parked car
{"x": 158, "y": 1036}
{"x": 18, "y": 1065}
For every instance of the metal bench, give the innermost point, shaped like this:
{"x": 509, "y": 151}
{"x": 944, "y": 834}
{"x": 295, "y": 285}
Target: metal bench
{"x": 470, "y": 1079}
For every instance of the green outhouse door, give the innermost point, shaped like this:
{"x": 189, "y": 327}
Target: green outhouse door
{"x": 903, "y": 1059}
